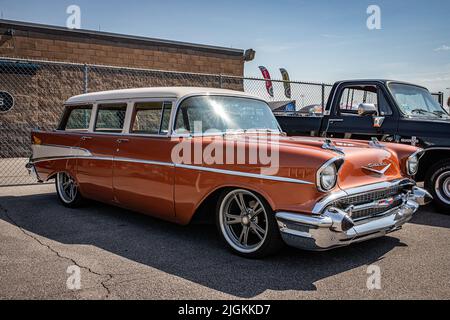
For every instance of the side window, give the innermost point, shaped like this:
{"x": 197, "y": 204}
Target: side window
{"x": 110, "y": 117}
{"x": 77, "y": 118}
{"x": 352, "y": 97}
{"x": 151, "y": 118}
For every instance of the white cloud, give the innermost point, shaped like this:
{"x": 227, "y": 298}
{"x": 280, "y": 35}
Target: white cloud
{"x": 442, "y": 48}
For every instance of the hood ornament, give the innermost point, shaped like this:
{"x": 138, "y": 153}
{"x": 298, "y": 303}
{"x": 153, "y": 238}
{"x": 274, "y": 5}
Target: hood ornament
{"x": 371, "y": 167}
{"x": 329, "y": 145}
{"x": 375, "y": 143}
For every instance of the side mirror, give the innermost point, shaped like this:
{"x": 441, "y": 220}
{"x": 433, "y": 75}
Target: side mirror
{"x": 367, "y": 109}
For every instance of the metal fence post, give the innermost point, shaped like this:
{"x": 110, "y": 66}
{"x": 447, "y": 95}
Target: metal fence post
{"x": 220, "y": 81}
{"x": 86, "y": 78}
{"x": 323, "y": 96}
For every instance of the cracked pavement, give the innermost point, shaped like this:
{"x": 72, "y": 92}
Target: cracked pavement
{"x": 124, "y": 255}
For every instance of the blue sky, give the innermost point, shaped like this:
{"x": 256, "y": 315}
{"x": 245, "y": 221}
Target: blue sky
{"x": 314, "y": 40}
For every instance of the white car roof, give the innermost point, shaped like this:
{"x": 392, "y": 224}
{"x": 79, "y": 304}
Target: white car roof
{"x": 155, "y": 92}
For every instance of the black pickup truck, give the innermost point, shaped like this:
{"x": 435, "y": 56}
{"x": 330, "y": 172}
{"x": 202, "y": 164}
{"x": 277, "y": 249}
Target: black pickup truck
{"x": 390, "y": 111}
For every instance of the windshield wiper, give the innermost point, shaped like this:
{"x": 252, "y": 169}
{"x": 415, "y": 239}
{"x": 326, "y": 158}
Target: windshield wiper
{"x": 440, "y": 113}
{"x": 422, "y": 111}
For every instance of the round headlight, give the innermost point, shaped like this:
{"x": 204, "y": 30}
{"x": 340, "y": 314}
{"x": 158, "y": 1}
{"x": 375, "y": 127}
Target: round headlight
{"x": 413, "y": 165}
{"x": 328, "y": 177}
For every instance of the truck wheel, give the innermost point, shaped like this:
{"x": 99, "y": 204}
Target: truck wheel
{"x": 247, "y": 224}
{"x": 67, "y": 190}
{"x": 437, "y": 181}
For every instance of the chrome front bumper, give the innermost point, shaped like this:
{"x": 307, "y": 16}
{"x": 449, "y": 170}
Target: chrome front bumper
{"x": 333, "y": 227}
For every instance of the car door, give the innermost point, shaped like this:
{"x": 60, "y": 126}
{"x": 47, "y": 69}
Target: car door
{"x": 94, "y": 173}
{"x": 345, "y": 122}
{"x": 143, "y": 172}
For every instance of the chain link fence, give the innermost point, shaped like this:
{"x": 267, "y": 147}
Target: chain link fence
{"x": 32, "y": 94}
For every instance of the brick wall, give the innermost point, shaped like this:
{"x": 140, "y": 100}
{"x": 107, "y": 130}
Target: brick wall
{"x": 59, "y": 44}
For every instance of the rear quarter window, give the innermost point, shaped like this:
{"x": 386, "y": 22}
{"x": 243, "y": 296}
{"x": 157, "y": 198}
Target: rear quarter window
{"x": 76, "y": 118}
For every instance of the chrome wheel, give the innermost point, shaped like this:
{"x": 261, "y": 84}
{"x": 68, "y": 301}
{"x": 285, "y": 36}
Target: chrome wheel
{"x": 243, "y": 221}
{"x": 67, "y": 187}
{"x": 442, "y": 187}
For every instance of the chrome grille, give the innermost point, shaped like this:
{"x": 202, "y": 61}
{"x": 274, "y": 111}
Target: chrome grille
{"x": 367, "y": 213}
{"x": 393, "y": 194}
{"x": 371, "y": 196}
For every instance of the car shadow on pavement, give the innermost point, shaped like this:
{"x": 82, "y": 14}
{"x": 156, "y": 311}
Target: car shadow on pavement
{"x": 427, "y": 216}
{"x": 191, "y": 252}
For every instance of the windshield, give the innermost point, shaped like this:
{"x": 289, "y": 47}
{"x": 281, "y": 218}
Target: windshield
{"x": 224, "y": 114}
{"x": 416, "y": 101}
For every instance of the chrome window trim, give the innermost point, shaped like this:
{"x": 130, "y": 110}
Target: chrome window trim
{"x": 143, "y": 135}
{"x": 93, "y": 117}
{"x": 219, "y": 133}
{"x": 127, "y": 120}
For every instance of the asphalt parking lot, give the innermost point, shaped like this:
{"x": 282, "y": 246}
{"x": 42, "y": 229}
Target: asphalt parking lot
{"x": 124, "y": 255}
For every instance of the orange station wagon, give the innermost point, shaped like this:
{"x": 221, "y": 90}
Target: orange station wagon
{"x": 180, "y": 153}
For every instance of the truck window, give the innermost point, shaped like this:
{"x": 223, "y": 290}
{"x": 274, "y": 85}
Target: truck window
{"x": 76, "y": 118}
{"x": 352, "y": 97}
{"x": 110, "y": 118}
{"x": 151, "y": 118}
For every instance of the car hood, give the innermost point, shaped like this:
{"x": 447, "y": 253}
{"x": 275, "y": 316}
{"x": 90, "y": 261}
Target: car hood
{"x": 364, "y": 163}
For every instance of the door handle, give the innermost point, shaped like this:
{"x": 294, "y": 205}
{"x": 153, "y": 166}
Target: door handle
{"x": 84, "y": 138}
{"x": 122, "y": 140}
{"x": 335, "y": 120}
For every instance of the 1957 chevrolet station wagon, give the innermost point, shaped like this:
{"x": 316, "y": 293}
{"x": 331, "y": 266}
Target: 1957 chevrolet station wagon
{"x": 176, "y": 153}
